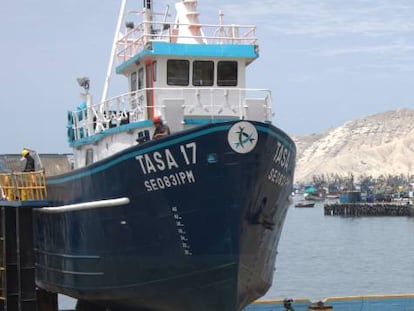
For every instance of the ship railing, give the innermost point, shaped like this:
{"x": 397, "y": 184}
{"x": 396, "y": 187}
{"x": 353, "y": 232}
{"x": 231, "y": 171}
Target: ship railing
{"x": 21, "y": 186}
{"x": 119, "y": 110}
{"x": 209, "y": 103}
{"x": 213, "y": 102}
{"x": 136, "y": 38}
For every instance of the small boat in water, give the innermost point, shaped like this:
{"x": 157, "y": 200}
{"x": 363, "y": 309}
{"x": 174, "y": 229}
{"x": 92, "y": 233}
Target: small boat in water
{"x": 313, "y": 197}
{"x": 189, "y": 221}
{"x": 305, "y": 204}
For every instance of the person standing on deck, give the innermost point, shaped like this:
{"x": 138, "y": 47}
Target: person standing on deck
{"x": 30, "y": 163}
{"x": 161, "y": 129}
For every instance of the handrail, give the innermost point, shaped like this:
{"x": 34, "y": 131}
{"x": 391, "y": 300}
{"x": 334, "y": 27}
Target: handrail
{"x": 86, "y": 205}
{"x": 21, "y": 186}
{"x": 135, "y": 39}
{"x": 131, "y": 107}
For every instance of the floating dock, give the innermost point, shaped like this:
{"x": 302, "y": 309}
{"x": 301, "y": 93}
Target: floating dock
{"x": 368, "y": 209}
{"x": 21, "y": 193}
{"x": 18, "y": 291}
{"x": 352, "y": 303}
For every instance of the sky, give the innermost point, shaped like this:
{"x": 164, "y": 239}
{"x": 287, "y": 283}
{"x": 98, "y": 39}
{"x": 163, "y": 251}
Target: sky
{"x": 325, "y": 61}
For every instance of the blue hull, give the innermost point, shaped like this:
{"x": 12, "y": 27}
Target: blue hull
{"x": 200, "y": 232}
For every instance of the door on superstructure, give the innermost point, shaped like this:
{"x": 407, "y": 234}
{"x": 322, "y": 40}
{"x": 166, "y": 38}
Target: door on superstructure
{"x": 150, "y": 74}
{"x": 137, "y": 94}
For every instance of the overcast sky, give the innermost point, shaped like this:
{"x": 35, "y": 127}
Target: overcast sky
{"x": 326, "y": 61}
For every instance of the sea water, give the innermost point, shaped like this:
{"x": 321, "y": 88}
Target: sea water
{"x": 324, "y": 256}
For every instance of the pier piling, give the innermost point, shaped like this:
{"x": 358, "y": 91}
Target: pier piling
{"x": 368, "y": 209}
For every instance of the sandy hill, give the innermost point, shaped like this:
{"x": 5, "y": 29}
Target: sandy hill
{"x": 379, "y": 144}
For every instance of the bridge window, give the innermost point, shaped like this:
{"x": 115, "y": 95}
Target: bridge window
{"x": 203, "y": 73}
{"x": 178, "y": 72}
{"x": 227, "y": 73}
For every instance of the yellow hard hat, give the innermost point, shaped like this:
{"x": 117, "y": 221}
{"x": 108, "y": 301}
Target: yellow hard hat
{"x": 25, "y": 152}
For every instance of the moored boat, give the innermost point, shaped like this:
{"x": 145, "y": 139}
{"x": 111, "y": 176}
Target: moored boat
{"x": 305, "y": 204}
{"x": 190, "y": 221}
{"x": 313, "y": 197}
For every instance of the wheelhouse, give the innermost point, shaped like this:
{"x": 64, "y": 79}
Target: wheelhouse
{"x": 188, "y": 73}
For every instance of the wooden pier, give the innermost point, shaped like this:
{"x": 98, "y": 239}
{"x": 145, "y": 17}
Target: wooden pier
{"x": 369, "y": 209}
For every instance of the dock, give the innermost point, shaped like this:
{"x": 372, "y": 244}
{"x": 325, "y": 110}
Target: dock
{"x": 351, "y": 303}
{"x": 18, "y": 291}
{"x": 369, "y": 209}
{"x": 21, "y": 193}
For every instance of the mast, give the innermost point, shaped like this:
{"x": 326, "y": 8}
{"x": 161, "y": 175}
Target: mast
{"x": 147, "y": 20}
{"x": 147, "y": 4}
{"x": 112, "y": 58}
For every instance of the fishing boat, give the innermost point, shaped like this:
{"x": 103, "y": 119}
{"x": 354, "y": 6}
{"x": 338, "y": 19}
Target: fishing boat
{"x": 305, "y": 204}
{"x": 189, "y": 221}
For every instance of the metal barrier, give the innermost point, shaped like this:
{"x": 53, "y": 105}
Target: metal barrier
{"x": 22, "y": 186}
{"x": 18, "y": 290}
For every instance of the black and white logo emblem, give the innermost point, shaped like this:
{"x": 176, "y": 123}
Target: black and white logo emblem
{"x": 242, "y": 137}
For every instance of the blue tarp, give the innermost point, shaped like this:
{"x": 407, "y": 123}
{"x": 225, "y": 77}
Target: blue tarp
{"x": 310, "y": 190}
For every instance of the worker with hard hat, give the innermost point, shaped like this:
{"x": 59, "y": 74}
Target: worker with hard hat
{"x": 161, "y": 129}
{"x": 30, "y": 163}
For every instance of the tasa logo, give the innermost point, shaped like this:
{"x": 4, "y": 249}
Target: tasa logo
{"x": 242, "y": 137}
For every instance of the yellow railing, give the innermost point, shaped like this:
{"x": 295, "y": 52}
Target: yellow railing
{"x": 21, "y": 186}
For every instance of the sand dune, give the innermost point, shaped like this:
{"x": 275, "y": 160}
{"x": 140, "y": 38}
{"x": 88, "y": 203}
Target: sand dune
{"x": 380, "y": 144}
